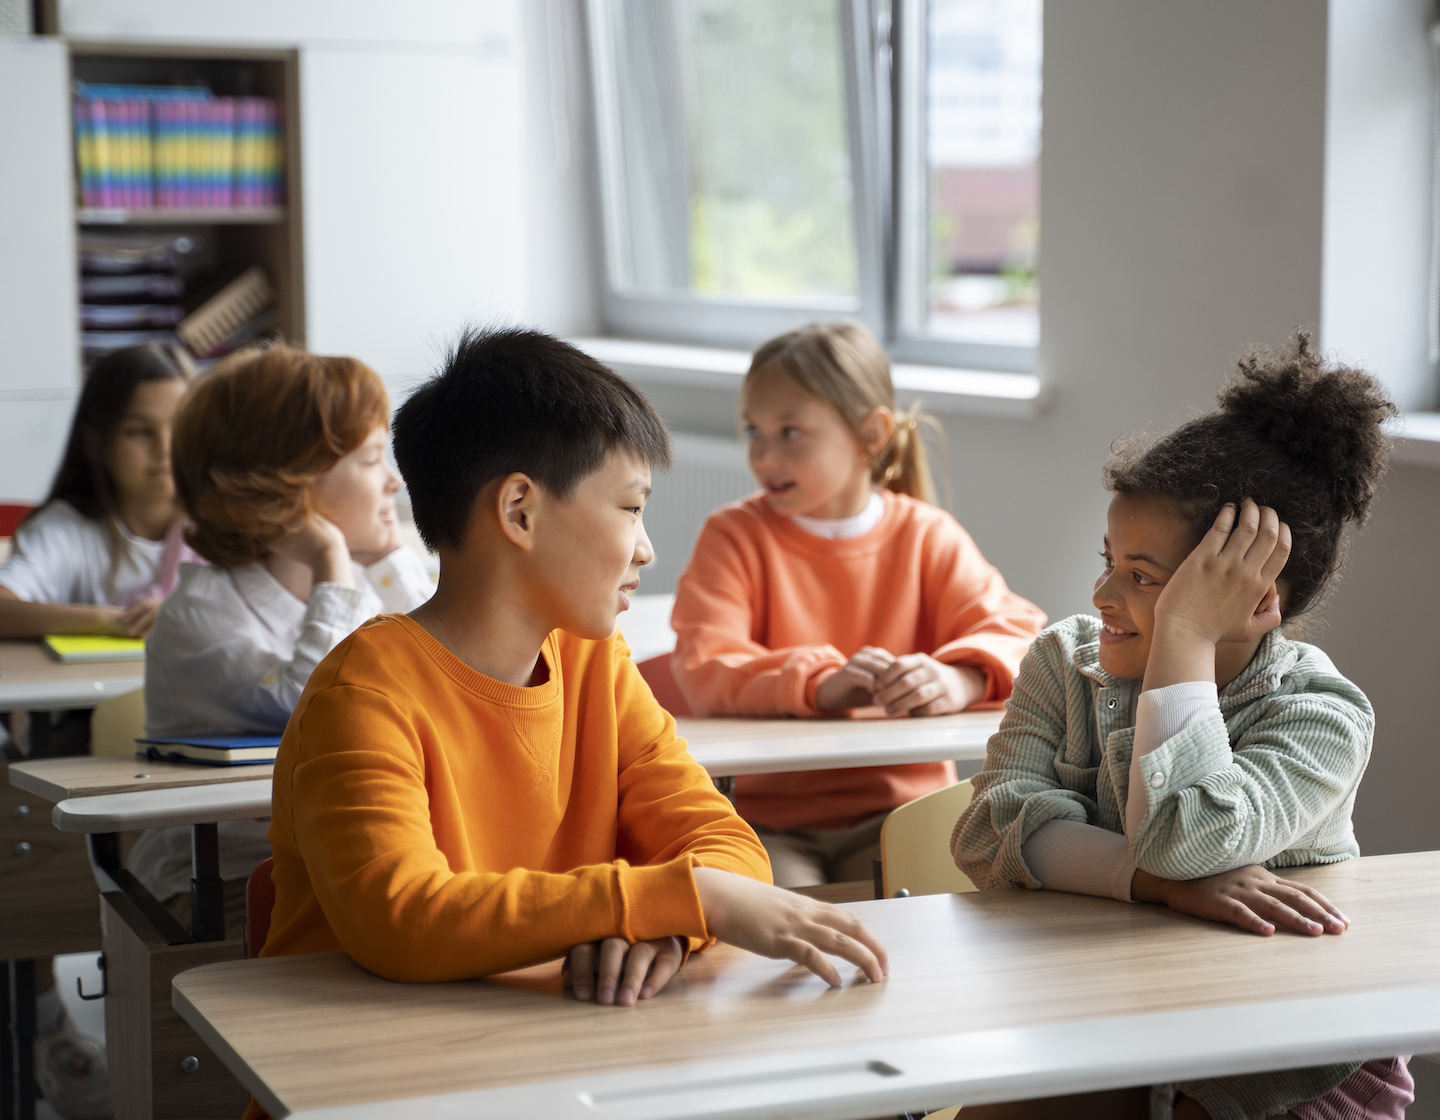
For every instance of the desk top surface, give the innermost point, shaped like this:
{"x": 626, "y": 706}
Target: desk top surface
{"x": 318, "y": 1032}
{"x": 724, "y": 746}
{"x": 57, "y": 779}
{"x": 30, "y": 678}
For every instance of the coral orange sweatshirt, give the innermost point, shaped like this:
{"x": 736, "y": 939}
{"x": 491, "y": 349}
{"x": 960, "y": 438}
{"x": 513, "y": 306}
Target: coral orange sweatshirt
{"x": 765, "y": 612}
{"x": 438, "y": 824}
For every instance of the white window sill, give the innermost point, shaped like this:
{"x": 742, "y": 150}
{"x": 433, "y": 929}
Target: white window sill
{"x": 940, "y": 388}
{"x": 1417, "y": 439}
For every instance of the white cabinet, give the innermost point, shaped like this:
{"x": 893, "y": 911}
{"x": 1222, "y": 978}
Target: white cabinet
{"x": 39, "y": 341}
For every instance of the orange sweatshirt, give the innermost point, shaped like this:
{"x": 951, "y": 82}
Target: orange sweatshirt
{"x": 437, "y": 824}
{"x": 765, "y": 612}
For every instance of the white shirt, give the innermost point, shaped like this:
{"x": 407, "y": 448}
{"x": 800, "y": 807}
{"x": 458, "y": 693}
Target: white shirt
{"x": 231, "y": 651}
{"x": 843, "y": 528}
{"x": 62, "y": 556}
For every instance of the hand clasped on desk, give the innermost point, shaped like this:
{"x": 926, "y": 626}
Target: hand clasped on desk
{"x": 757, "y": 917}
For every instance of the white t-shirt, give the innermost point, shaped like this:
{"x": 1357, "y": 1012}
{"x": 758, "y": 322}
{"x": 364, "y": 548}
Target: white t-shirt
{"x": 231, "y": 651}
{"x": 62, "y": 556}
{"x": 843, "y": 528}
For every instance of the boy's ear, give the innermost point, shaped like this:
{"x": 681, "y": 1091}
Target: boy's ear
{"x": 515, "y": 500}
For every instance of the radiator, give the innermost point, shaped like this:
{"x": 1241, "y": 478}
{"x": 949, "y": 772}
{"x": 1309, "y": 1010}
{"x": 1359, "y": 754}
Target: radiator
{"x": 708, "y": 472}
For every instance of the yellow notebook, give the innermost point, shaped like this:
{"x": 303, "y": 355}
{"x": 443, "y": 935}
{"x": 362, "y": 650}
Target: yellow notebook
{"x": 95, "y": 647}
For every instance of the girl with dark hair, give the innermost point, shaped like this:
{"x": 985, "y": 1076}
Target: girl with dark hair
{"x": 1182, "y": 748}
{"x": 99, "y": 554}
{"x": 105, "y": 546}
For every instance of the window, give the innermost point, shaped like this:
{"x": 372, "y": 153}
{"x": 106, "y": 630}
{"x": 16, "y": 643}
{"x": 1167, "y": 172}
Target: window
{"x": 764, "y": 163}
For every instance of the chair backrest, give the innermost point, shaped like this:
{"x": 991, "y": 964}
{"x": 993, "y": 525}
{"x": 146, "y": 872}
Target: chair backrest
{"x": 116, "y": 723}
{"x": 661, "y": 679}
{"x": 915, "y": 844}
{"x": 259, "y": 901}
{"x": 11, "y": 515}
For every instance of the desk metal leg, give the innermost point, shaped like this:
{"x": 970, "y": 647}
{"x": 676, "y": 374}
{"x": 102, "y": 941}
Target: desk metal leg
{"x": 111, "y": 876}
{"x": 207, "y": 889}
{"x": 21, "y": 1017}
{"x": 727, "y": 787}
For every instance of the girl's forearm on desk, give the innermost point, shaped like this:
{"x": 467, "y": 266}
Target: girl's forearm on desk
{"x": 19, "y": 619}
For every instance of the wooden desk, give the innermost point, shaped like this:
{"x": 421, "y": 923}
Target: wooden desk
{"x": 730, "y": 748}
{"x": 56, "y": 779}
{"x": 32, "y": 680}
{"x": 991, "y": 996}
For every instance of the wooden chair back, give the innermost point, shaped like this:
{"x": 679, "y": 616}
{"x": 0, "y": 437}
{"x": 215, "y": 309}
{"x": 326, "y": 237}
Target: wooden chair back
{"x": 116, "y": 723}
{"x": 915, "y": 844}
{"x": 259, "y": 901}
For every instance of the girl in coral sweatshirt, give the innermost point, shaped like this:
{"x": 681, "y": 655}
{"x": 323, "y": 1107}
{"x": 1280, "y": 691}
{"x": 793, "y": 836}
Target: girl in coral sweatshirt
{"x": 840, "y": 585}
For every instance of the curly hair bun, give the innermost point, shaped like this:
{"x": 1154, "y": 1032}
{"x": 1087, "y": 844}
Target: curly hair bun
{"x": 1329, "y": 419}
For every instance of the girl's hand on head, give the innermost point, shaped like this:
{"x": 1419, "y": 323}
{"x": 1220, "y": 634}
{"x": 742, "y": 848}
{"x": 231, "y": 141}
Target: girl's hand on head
{"x": 320, "y": 546}
{"x": 615, "y": 972}
{"x": 922, "y": 686}
{"x": 136, "y": 619}
{"x": 1249, "y": 897}
{"x": 853, "y": 685}
{"x": 1225, "y": 589}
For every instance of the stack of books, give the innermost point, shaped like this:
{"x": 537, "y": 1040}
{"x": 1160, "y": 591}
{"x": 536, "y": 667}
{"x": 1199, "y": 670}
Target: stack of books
{"x": 177, "y": 148}
{"x": 131, "y": 288}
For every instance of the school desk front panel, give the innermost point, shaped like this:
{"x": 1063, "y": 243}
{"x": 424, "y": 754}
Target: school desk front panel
{"x": 991, "y": 996}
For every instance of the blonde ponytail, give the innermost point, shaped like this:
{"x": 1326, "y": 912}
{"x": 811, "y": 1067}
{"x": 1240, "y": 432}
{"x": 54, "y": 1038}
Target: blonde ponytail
{"x": 843, "y": 365}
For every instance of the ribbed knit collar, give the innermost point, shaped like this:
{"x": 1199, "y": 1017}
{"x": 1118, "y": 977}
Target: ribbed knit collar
{"x": 488, "y": 688}
{"x": 797, "y": 540}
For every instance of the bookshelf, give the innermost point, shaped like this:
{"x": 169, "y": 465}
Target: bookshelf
{"x": 221, "y": 242}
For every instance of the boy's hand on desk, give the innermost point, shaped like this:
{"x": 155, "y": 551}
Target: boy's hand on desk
{"x": 853, "y": 685}
{"x": 922, "y": 686}
{"x": 780, "y": 925}
{"x": 615, "y": 972}
{"x": 1249, "y": 897}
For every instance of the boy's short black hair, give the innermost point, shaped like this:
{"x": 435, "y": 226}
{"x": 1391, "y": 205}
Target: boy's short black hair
{"x": 514, "y": 401}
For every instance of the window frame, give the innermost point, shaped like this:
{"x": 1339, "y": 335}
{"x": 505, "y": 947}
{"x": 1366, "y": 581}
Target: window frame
{"x": 884, "y": 113}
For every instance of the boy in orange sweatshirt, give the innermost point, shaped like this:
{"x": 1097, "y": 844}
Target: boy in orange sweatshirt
{"x": 487, "y": 782}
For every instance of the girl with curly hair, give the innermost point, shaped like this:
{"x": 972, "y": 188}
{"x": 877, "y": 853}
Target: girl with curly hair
{"x": 1183, "y": 749}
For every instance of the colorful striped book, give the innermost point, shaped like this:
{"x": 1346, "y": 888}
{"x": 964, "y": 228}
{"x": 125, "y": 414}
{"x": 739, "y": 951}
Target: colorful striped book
{"x": 177, "y": 148}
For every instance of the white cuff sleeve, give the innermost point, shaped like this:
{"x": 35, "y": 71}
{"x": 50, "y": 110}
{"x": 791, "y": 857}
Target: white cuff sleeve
{"x": 1161, "y": 715}
{"x": 1081, "y": 859}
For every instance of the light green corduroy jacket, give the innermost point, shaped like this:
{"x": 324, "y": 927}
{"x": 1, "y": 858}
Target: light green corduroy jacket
{"x": 1270, "y": 780}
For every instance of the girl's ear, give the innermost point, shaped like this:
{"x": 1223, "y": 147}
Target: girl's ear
{"x": 876, "y": 429}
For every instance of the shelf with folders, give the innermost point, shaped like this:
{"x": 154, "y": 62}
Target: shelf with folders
{"x": 187, "y": 187}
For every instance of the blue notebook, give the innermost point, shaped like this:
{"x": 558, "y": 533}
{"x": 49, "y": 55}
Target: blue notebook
{"x": 213, "y": 750}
